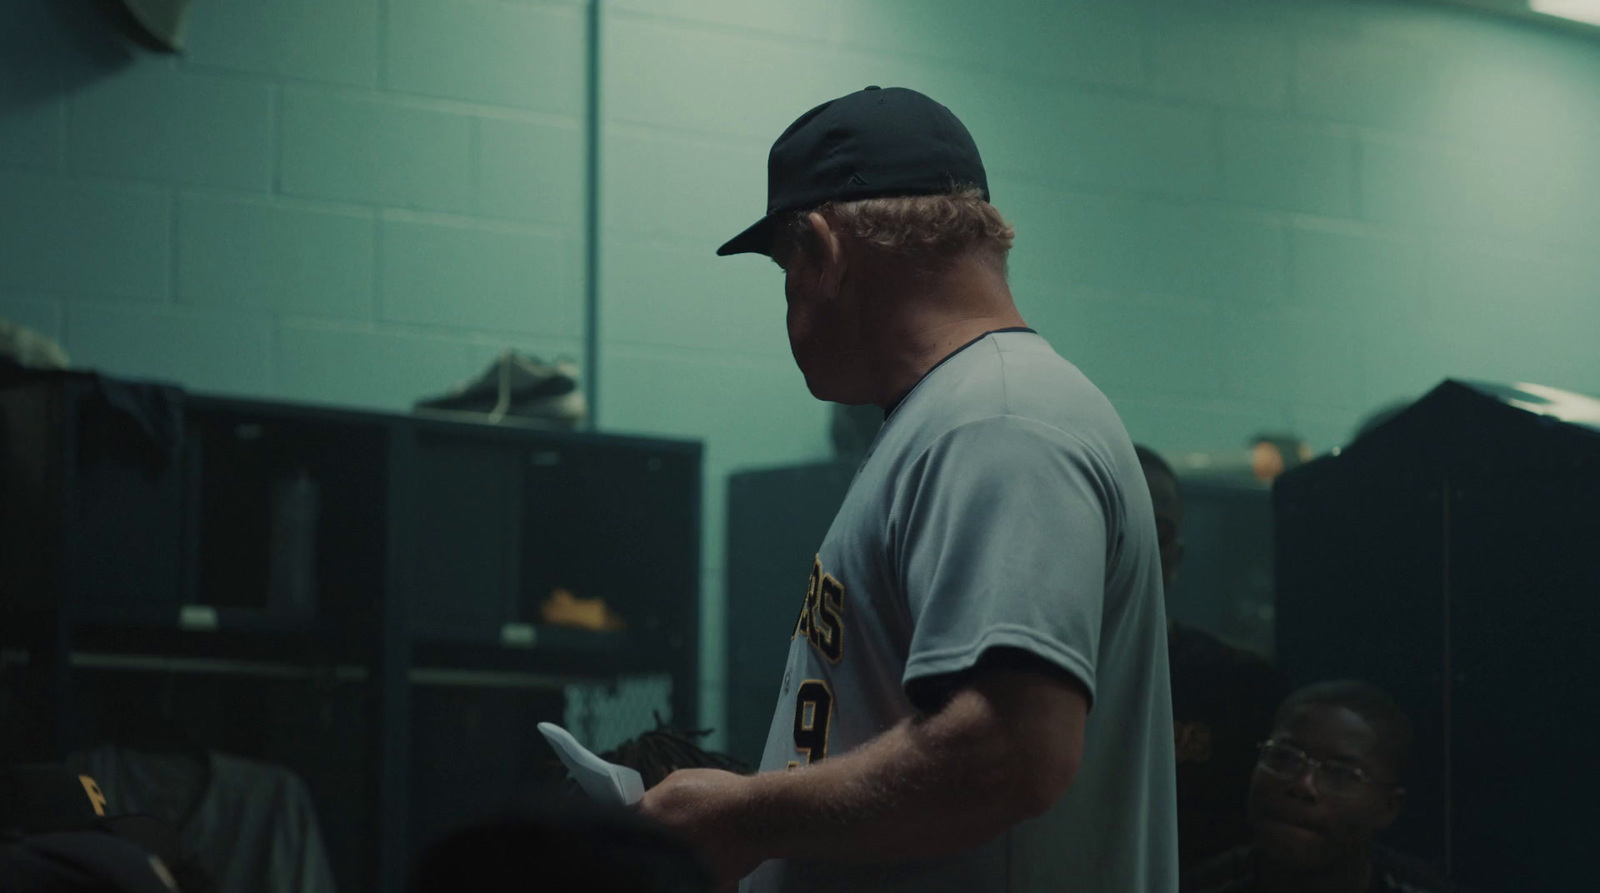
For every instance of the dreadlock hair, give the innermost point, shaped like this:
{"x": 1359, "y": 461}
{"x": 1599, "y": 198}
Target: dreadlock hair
{"x": 1151, "y": 460}
{"x": 663, "y": 750}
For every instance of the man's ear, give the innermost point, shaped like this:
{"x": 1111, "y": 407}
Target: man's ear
{"x": 830, "y": 252}
{"x": 1393, "y": 802}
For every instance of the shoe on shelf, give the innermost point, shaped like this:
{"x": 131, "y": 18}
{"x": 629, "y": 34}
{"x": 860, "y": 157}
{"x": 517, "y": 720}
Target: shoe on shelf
{"x": 517, "y": 387}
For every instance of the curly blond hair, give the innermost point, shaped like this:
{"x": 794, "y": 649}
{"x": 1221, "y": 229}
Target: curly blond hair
{"x": 929, "y": 231}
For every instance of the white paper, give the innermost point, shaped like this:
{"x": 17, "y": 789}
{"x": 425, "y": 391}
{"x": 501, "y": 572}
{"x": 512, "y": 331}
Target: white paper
{"x": 605, "y": 782}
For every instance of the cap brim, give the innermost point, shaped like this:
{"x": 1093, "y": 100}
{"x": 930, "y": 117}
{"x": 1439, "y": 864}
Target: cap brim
{"x": 757, "y": 239}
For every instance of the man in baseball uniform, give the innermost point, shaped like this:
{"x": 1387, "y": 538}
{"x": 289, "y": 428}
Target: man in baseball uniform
{"x": 976, "y": 696}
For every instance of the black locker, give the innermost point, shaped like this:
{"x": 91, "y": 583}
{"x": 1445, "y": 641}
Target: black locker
{"x": 331, "y": 591}
{"x": 1447, "y": 556}
{"x": 469, "y": 502}
{"x": 93, "y": 490}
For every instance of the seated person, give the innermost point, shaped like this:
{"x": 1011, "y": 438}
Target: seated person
{"x": 560, "y": 843}
{"x": 1326, "y": 781}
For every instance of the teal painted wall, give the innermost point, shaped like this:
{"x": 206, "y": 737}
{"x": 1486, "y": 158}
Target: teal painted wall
{"x": 1233, "y": 215}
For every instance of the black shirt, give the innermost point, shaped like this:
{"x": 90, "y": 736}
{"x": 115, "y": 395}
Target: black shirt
{"x": 1392, "y": 872}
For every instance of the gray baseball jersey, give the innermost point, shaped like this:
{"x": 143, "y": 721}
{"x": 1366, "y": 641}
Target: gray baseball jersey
{"x": 1001, "y": 505}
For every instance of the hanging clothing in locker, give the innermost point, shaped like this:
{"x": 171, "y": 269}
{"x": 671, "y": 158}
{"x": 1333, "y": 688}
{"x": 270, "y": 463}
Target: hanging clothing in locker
{"x": 251, "y": 824}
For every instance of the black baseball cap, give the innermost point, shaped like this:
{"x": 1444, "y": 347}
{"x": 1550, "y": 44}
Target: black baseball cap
{"x": 80, "y": 862}
{"x": 44, "y": 797}
{"x": 63, "y": 811}
{"x": 874, "y": 143}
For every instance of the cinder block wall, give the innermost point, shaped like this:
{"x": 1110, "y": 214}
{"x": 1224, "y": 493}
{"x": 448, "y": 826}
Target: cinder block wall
{"x": 1233, "y": 215}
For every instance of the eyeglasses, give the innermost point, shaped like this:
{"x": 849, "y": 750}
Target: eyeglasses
{"x": 1288, "y": 762}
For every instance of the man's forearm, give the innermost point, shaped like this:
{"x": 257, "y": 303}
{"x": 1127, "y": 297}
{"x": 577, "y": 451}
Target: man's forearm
{"x": 882, "y": 802}
{"x": 924, "y": 788}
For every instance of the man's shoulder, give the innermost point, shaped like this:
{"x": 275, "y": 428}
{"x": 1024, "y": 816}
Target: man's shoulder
{"x": 1012, "y": 373}
{"x": 1041, "y": 383}
{"x": 1230, "y": 872}
{"x": 1397, "y": 872}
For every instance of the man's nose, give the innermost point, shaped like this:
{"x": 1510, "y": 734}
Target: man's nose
{"x": 1304, "y": 783}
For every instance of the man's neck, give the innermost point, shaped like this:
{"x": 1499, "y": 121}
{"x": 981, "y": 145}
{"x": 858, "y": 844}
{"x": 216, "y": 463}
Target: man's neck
{"x": 925, "y": 328}
{"x": 1354, "y": 876}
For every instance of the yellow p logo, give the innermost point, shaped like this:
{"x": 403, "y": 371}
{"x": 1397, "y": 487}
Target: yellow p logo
{"x": 96, "y": 796}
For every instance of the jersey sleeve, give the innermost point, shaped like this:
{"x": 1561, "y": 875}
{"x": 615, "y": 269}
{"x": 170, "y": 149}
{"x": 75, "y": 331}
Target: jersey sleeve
{"x": 1000, "y": 530}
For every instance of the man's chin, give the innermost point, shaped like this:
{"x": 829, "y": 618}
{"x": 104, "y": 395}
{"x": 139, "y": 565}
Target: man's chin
{"x": 1294, "y": 846}
{"x": 824, "y": 390}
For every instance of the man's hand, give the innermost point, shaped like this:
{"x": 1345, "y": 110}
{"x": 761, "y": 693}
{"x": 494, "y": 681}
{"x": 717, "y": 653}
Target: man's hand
{"x": 703, "y": 805}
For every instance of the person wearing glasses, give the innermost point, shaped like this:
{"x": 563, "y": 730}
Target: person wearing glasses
{"x": 1325, "y": 783}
